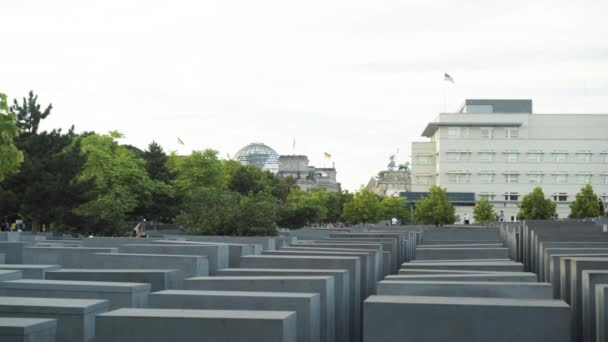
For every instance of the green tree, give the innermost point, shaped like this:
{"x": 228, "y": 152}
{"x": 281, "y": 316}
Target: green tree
{"x": 121, "y": 181}
{"x": 536, "y": 206}
{"x": 199, "y": 169}
{"x": 314, "y": 202}
{"x": 250, "y": 179}
{"x": 395, "y": 207}
{"x": 10, "y": 156}
{"x": 29, "y": 114}
{"x": 365, "y": 207}
{"x": 435, "y": 209}
{"x": 586, "y": 204}
{"x": 257, "y": 215}
{"x": 209, "y": 211}
{"x": 483, "y": 212}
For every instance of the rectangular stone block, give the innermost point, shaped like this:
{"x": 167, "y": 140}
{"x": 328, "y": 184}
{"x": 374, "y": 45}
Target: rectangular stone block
{"x": 13, "y": 251}
{"x": 589, "y": 281}
{"x": 235, "y": 251}
{"x": 344, "y": 313}
{"x": 324, "y": 286}
{"x": 544, "y": 267}
{"x": 497, "y": 276}
{"x": 468, "y": 266}
{"x": 351, "y": 264}
{"x": 27, "y": 330}
{"x": 577, "y": 266}
{"x": 119, "y": 295}
{"x": 561, "y": 282}
{"x": 186, "y": 265}
{"x": 30, "y": 271}
{"x": 217, "y": 255}
{"x": 69, "y": 257}
{"x": 162, "y": 325}
{"x": 6, "y": 275}
{"x": 455, "y": 319}
{"x": 601, "y": 312}
{"x": 158, "y": 279}
{"x": 75, "y": 317}
{"x": 307, "y": 306}
{"x": 439, "y": 271}
{"x": 461, "y": 253}
{"x": 465, "y": 289}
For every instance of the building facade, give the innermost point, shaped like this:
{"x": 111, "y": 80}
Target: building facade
{"x": 500, "y": 150}
{"x": 390, "y": 183}
{"x": 307, "y": 177}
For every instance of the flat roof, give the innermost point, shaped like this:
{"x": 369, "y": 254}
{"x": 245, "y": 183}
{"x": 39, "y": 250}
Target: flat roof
{"x": 432, "y": 127}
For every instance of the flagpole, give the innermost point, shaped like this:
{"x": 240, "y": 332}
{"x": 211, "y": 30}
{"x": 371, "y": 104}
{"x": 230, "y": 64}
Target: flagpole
{"x": 444, "y": 96}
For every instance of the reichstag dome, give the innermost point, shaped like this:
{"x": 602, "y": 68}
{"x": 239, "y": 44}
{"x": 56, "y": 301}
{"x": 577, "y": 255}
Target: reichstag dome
{"x": 260, "y": 155}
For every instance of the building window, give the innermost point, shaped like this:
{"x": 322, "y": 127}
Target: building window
{"x": 535, "y": 157}
{"x": 458, "y": 132}
{"x": 423, "y": 160}
{"x": 486, "y": 157}
{"x": 459, "y": 178}
{"x": 487, "y": 133}
{"x": 511, "y": 157}
{"x": 583, "y": 157}
{"x": 604, "y": 199}
{"x": 487, "y": 178}
{"x": 560, "y": 157}
{"x": 511, "y": 178}
{"x": 560, "y": 197}
{"x": 511, "y": 196}
{"x": 605, "y": 179}
{"x": 458, "y": 156}
{"x": 511, "y": 133}
{"x": 583, "y": 178}
{"x": 423, "y": 180}
{"x": 560, "y": 179}
{"x": 536, "y": 178}
{"x": 487, "y": 196}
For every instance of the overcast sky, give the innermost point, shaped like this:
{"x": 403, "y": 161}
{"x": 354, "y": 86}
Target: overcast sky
{"x": 358, "y": 79}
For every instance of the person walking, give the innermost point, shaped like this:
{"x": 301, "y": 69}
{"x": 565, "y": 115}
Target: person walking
{"x": 466, "y": 218}
{"x": 501, "y": 217}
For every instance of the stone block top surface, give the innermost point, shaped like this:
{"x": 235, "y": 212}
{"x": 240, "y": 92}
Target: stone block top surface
{"x": 465, "y": 301}
{"x": 238, "y": 293}
{"x": 177, "y": 313}
{"x": 21, "y": 326}
{"x": 52, "y": 305}
{"x": 74, "y": 285}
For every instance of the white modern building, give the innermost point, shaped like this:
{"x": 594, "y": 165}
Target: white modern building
{"x": 500, "y": 150}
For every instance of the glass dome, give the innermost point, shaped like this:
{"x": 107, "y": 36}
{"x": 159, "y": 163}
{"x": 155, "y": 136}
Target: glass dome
{"x": 260, "y": 155}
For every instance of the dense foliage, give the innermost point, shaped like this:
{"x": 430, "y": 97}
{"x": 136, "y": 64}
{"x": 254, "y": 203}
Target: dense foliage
{"x": 535, "y": 206}
{"x": 586, "y": 204}
{"x": 10, "y": 156}
{"x": 483, "y": 212}
{"x": 435, "y": 209}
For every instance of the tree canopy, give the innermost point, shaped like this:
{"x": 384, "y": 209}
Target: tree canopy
{"x": 10, "y": 156}
{"x": 534, "y": 206}
{"x": 483, "y": 212}
{"x": 435, "y": 209}
{"x": 586, "y": 204}
{"x": 364, "y": 207}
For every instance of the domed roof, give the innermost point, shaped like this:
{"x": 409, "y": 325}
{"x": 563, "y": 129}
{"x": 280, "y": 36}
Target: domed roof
{"x": 260, "y": 155}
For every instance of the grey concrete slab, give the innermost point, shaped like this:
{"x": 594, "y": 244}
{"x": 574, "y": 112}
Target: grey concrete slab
{"x": 601, "y": 312}
{"x": 351, "y": 264}
{"x": 492, "y": 289}
{"x": 27, "y": 330}
{"x": 114, "y": 242}
{"x": 6, "y": 275}
{"x": 368, "y": 270}
{"x": 461, "y": 253}
{"x": 387, "y": 263}
{"x": 344, "y": 313}
{"x": 397, "y": 245}
{"x": 235, "y": 251}
{"x": 30, "y": 271}
{"x": 577, "y": 266}
{"x": 307, "y": 306}
{"x": 217, "y": 255}
{"x": 497, "y": 244}
{"x": 460, "y": 260}
{"x": 162, "y": 325}
{"x": 527, "y": 277}
{"x": 545, "y": 267}
{"x": 13, "y": 251}
{"x": 323, "y": 285}
{"x": 64, "y": 256}
{"x": 439, "y": 271}
{"x": 265, "y": 242}
{"x": 119, "y": 295}
{"x": 561, "y": 282}
{"x": 186, "y": 265}
{"x": 158, "y": 279}
{"x": 552, "y": 247}
{"x": 75, "y": 317}
{"x": 589, "y": 281}
{"x": 468, "y": 266}
{"x": 456, "y": 319}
